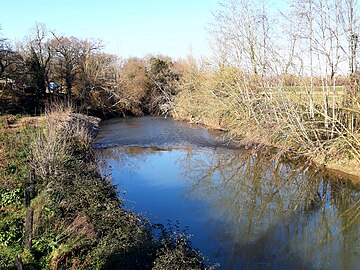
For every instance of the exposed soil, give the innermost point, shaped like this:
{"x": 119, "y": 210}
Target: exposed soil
{"x": 345, "y": 169}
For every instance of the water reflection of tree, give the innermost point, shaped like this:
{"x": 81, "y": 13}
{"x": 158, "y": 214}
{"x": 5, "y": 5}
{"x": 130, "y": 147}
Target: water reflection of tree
{"x": 129, "y": 159}
{"x": 288, "y": 207}
{"x": 274, "y": 212}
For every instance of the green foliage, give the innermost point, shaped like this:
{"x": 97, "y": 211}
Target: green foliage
{"x": 159, "y": 65}
{"x": 13, "y": 197}
{"x": 78, "y": 220}
{"x": 177, "y": 252}
{"x": 13, "y": 153}
{"x": 164, "y": 86}
{"x": 37, "y": 72}
{"x": 44, "y": 244}
{"x": 8, "y": 255}
{"x": 13, "y": 173}
{"x": 11, "y": 230}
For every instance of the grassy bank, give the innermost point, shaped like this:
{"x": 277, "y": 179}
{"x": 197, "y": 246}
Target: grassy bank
{"x": 320, "y": 124}
{"x": 58, "y": 212}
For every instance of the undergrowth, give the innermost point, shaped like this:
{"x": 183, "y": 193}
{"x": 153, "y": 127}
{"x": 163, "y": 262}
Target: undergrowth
{"x": 259, "y": 110}
{"x": 77, "y": 220}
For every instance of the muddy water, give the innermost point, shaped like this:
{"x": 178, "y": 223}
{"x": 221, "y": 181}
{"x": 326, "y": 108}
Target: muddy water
{"x": 245, "y": 211}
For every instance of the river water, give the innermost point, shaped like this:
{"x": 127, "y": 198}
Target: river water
{"x": 245, "y": 210}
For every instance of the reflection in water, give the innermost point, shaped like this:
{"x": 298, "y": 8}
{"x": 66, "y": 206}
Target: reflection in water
{"x": 155, "y": 132}
{"x": 254, "y": 212}
{"x": 277, "y": 211}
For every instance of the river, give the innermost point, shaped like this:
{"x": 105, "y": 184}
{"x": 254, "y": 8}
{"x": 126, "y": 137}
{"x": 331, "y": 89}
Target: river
{"x": 244, "y": 210}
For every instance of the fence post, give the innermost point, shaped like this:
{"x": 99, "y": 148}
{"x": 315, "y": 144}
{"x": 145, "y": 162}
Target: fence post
{"x": 29, "y": 211}
{"x": 19, "y": 263}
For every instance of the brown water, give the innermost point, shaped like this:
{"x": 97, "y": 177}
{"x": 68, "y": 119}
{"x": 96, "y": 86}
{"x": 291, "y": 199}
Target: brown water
{"x": 244, "y": 210}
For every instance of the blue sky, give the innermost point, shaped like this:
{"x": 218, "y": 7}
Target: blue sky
{"x": 127, "y": 27}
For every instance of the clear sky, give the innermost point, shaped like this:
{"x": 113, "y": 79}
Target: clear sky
{"x": 127, "y": 27}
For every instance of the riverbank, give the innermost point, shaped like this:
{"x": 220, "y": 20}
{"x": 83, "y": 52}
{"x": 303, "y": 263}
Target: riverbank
{"x": 58, "y": 212}
{"x": 340, "y": 166}
{"x": 258, "y": 111}
{"x": 243, "y": 207}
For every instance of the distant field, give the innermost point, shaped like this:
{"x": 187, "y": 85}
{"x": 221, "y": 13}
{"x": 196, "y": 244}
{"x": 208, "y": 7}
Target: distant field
{"x": 299, "y": 94}
{"x": 338, "y": 88}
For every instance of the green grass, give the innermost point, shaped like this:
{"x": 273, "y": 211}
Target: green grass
{"x": 78, "y": 219}
{"x": 14, "y": 170}
{"x": 338, "y": 88}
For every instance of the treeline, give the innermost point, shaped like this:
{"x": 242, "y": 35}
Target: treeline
{"x": 79, "y": 68}
{"x": 280, "y": 75}
{"x": 283, "y": 75}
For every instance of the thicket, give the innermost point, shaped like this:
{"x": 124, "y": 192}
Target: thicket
{"x": 254, "y": 109}
{"x": 299, "y": 92}
{"x": 47, "y": 64}
{"x": 58, "y": 212}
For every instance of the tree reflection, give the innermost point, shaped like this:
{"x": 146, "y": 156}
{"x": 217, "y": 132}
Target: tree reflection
{"x": 270, "y": 212}
{"x": 129, "y": 159}
{"x": 286, "y": 209}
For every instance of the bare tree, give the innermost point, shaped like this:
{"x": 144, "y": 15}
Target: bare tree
{"x": 93, "y": 64}
{"x": 133, "y": 86}
{"x": 66, "y": 58}
{"x": 349, "y": 19}
{"x": 327, "y": 46}
{"x": 352, "y": 30}
{"x": 242, "y": 33}
{"x": 5, "y": 56}
{"x": 38, "y": 54}
{"x": 8, "y": 57}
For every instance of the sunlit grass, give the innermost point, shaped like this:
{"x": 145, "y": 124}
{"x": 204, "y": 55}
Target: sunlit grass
{"x": 306, "y": 120}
